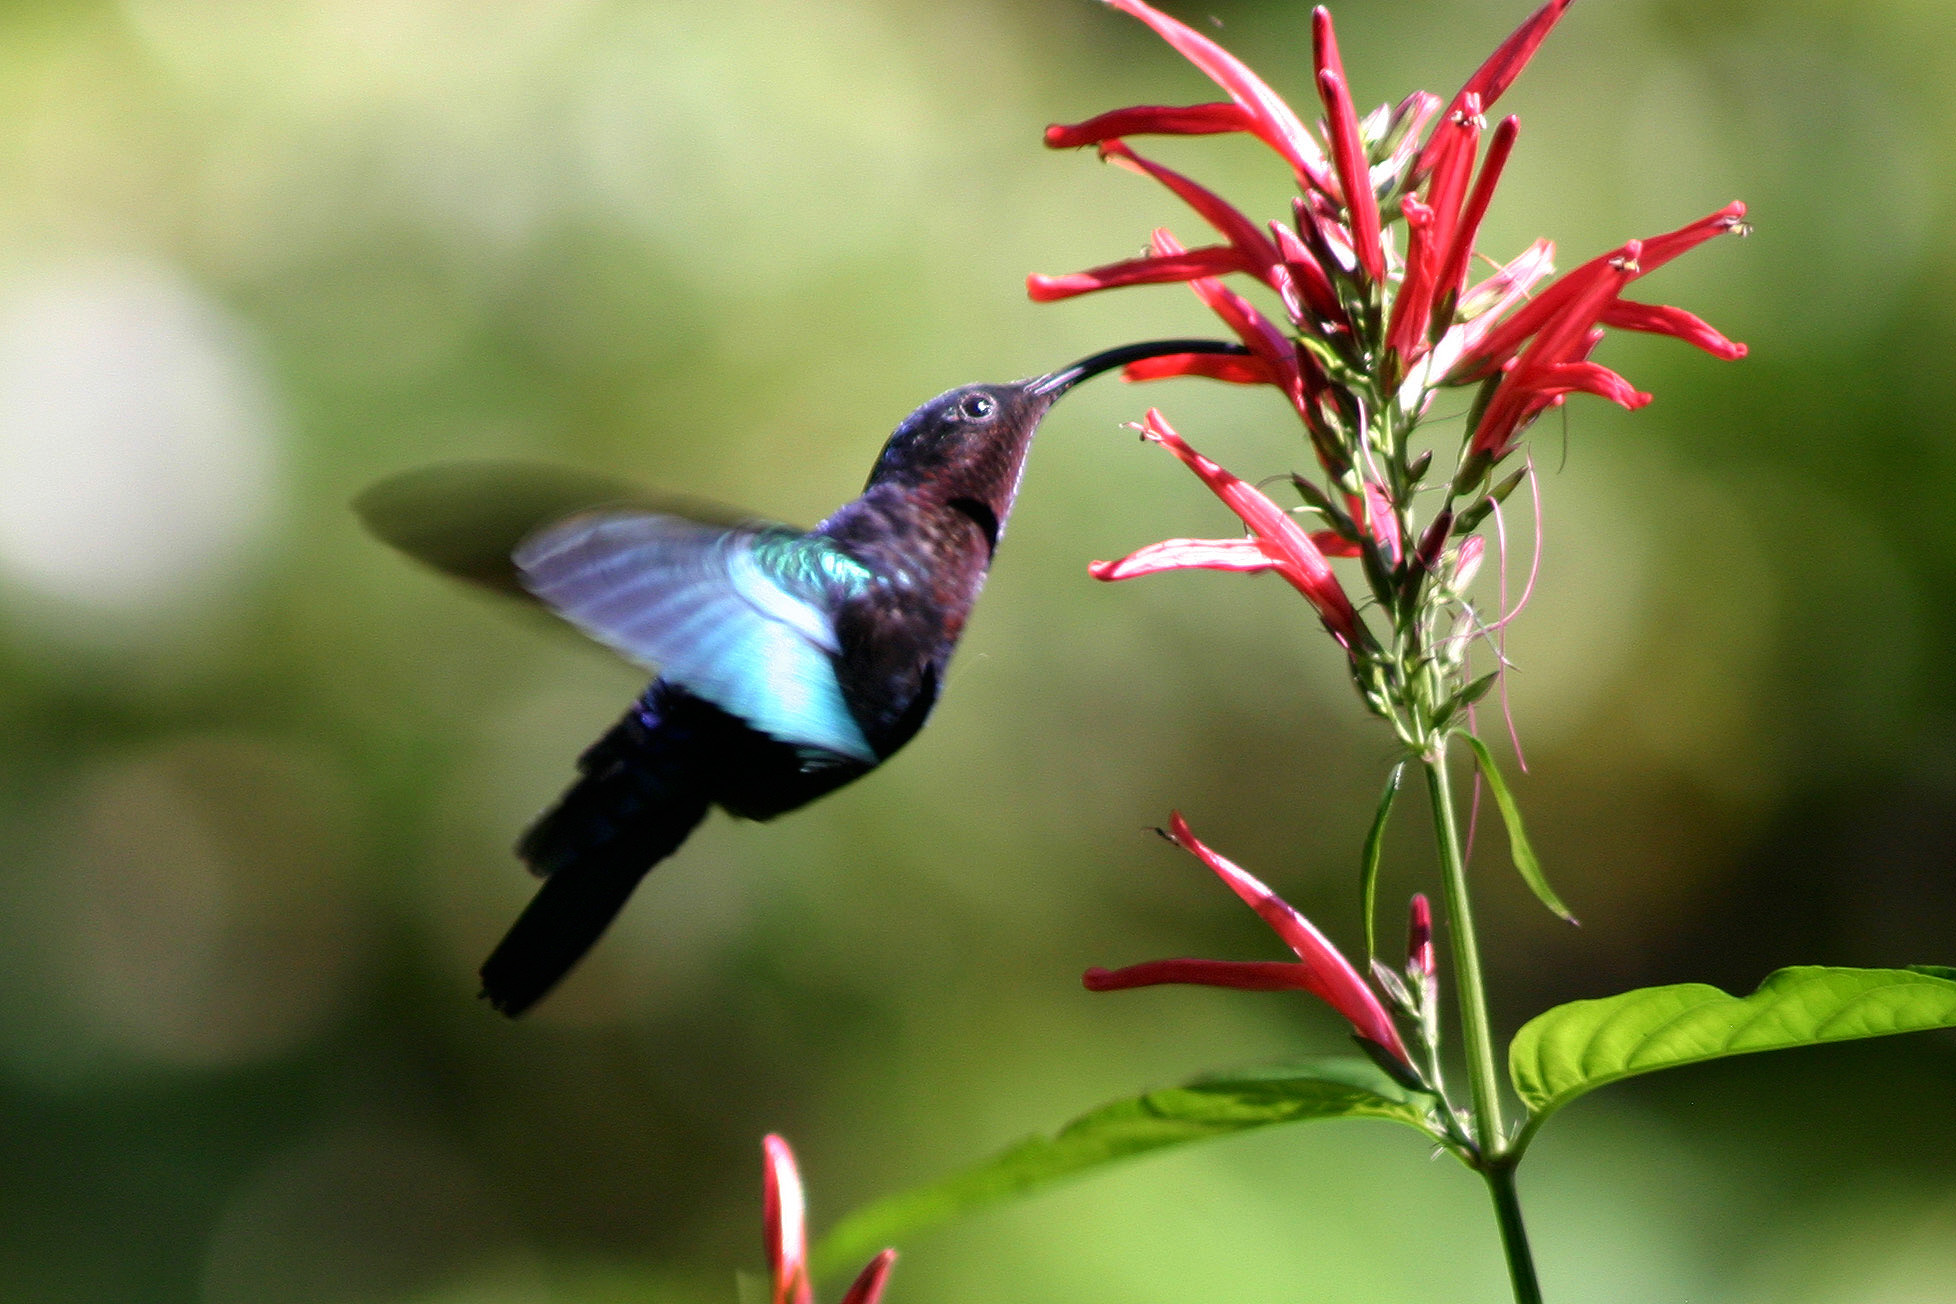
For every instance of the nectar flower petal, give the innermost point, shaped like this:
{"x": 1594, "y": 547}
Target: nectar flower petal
{"x": 1468, "y": 564}
{"x": 1660, "y": 319}
{"x": 1347, "y": 149}
{"x": 1216, "y": 260}
{"x": 1652, "y": 254}
{"x": 1661, "y": 249}
{"x": 1483, "y": 306}
{"x": 1505, "y": 64}
{"x": 1304, "y": 566}
{"x": 784, "y": 1214}
{"x": 1243, "y": 975}
{"x": 1406, "y": 327}
{"x": 1307, "y": 274}
{"x": 1328, "y": 975}
{"x": 1242, "y": 555}
{"x": 1494, "y": 77}
{"x": 1597, "y": 286}
{"x": 1458, "y": 139}
{"x": 1590, "y": 378}
{"x": 1527, "y": 390}
{"x": 1453, "y": 267}
{"x": 1270, "y": 344}
{"x": 868, "y": 1286}
{"x": 1276, "y": 124}
{"x": 1235, "y": 368}
{"x": 1151, "y": 120}
{"x": 1259, "y": 255}
{"x": 1333, "y": 544}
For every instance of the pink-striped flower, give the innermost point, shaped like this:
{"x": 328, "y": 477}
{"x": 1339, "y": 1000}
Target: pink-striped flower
{"x": 1276, "y": 543}
{"x": 784, "y": 1213}
{"x": 1437, "y": 329}
{"x": 1319, "y": 969}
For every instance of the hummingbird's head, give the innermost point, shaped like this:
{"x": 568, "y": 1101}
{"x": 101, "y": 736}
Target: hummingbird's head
{"x": 973, "y": 439}
{"x": 965, "y": 450}
{"x": 966, "y": 440}
{"x": 967, "y": 447}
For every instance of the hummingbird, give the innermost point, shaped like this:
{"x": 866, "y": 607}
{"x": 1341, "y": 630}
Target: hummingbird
{"x": 789, "y": 662}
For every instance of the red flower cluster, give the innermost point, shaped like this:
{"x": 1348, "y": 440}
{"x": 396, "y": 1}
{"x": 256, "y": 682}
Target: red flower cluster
{"x": 1319, "y": 968}
{"x": 1335, "y": 270}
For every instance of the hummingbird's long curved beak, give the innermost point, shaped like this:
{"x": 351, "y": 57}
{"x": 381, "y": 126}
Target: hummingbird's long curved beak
{"x": 1056, "y": 383}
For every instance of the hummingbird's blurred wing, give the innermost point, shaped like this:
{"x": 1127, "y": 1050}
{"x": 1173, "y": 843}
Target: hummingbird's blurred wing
{"x": 466, "y": 519}
{"x": 740, "y": 616}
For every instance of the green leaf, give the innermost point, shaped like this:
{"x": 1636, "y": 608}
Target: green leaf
{"x": 1467, "y": 696}
{"x": 1368, "y": 869}
{"x": 1518, "y": 844}
{"x": 1935, "y": 970}
{"x": 1342, "y": 1087}
{"x": 1574, "y": 1048}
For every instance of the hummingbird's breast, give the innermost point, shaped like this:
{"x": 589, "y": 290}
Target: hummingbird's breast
{"x": 896, "y": 636}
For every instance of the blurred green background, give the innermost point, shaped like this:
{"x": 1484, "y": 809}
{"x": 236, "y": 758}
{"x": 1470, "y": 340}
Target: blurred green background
{"x": 260, "y": 776}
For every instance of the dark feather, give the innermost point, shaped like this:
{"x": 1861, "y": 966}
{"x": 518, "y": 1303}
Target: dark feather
{"x": 466, "y": 519}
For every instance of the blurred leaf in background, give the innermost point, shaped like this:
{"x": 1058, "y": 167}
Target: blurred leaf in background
{"x": 260, "y": 777}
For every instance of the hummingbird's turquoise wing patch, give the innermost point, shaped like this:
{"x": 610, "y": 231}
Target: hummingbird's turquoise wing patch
{"x": 741, "y": 617}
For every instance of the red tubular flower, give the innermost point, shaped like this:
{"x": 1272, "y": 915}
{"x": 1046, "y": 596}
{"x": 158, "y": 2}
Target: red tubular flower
{"x": 1349, "y": 304}
{"x": 784, "y": 1213}
{"x": 1245, "y": 556}
{"x": 1503, "y": 342}
{"x": 1406, "y": 328}
{"x": 784, "y": 1216}
{"x": 1494, "y": 77}
{"x": 1453, "y": 267}
{"x": 1658, "y": 319}
{"x": 1457, "y": 138}
{"x": 1313, "y": 286}
{"x": 1319, "y": 970}
{"x": 1249, "y": 249}
{"x": 1232, "y": 368}
{"x": 1270, "y": 345}
{"x": 1271, "y": 120}
{"x": 1216, "y": 260}
{"x": 1151, "y": 120}
{"x": 1246, "y": 237}
{"x": 1410, "y": 118}
{"x": 867, "y": 1288}
{"x": 1555, "y": 363}
{"x": 1347, "y": 150}
{"x": 1441, "y": 330}
{"x": 1280, "y": 543}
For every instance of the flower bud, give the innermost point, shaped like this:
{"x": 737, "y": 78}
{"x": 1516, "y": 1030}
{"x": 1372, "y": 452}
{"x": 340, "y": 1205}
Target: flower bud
{"x": 1419, "y": 939}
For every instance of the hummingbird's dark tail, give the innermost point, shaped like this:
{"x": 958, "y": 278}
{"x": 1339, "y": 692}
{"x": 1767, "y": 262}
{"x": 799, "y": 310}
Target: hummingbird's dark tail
{"x": 640, "y": 795}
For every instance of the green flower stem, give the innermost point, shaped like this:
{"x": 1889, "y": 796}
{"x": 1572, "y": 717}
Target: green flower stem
{"x": 1514, "y": 1236}
{"x": 1461, "y": 937}
{"x": 1495, "y": 1160}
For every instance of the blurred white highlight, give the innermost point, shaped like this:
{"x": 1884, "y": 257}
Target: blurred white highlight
{"x": 136, "y": 444}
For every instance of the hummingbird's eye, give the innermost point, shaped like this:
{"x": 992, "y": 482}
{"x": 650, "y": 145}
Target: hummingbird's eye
{"x": 977, "y": 407}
